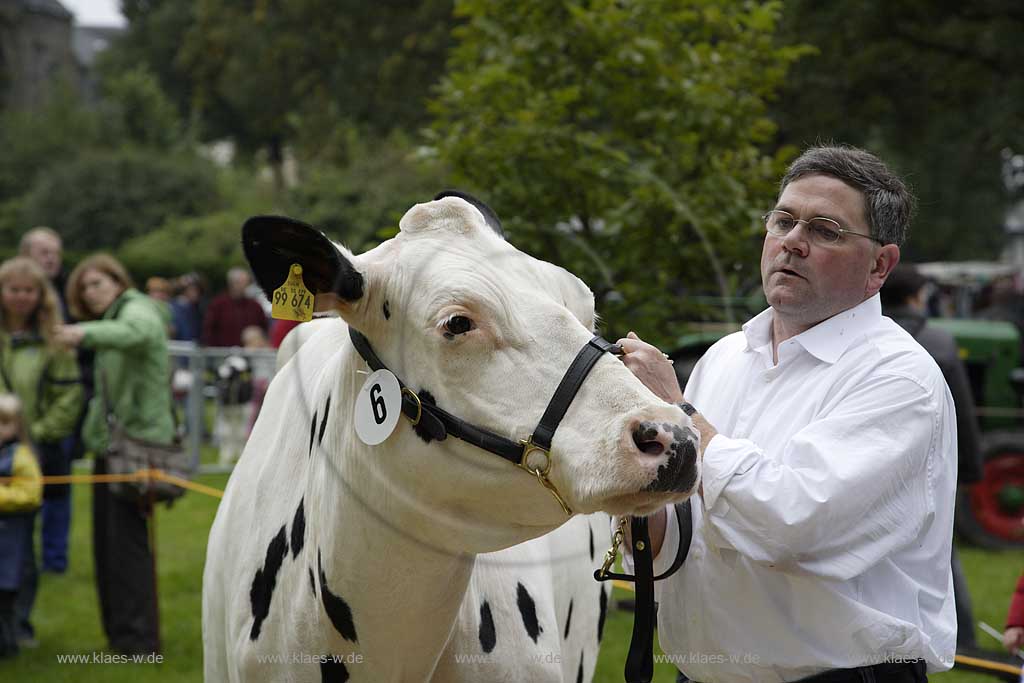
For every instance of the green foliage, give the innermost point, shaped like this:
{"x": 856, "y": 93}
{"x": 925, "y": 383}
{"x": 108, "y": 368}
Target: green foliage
{"x": 360, "y": 203}
{"x": 136, "y": 111}
{"x": 934, "y": 87}
{"x": 36, "y": 140}
{"x": 625, "y": 141}
{"x": 208, "y": 244}
{"x": 101, "y": 199}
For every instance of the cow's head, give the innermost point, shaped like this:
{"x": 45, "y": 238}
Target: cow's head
{"x": 486, "y": 331}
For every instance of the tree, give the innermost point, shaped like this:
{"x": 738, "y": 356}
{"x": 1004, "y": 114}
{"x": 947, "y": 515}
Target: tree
{"x": 623, "y": 140}
{"x": 103, "y": 198}
{"x": 934, "y": 87}
{"x": 269, "y": 74}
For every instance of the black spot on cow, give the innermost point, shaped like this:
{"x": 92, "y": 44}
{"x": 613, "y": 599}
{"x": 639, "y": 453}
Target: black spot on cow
{"x": 387, "y": 311}
{"x": 312, "y": 434}
{"x": 312, "y": 581}
{"x": 591, "y": 530}
{"x": 528, "y": 611}
{"x": 487, "y": 635}
{"x": 679, "y": 472}
{"x": 688, "y": 408}
{"x": 421, "y": 428}
{"x": 298, "y": 529}
{"x": 337, "y": 609}
{"x": 263, "y": 583}
{"x": 323, "y": 423}
{"x": 602, "y": 613}
{"x": 568, "y": 620}
{"x": 579, "y": 672}
{"x": 332, "y": 671}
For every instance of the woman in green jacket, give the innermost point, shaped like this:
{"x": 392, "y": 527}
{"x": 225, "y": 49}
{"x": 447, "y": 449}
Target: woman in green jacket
{"x": 132, "y": 377}
{"x": 44, "y": 376}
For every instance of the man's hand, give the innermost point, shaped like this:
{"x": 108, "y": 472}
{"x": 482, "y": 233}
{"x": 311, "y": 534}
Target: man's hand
{"x": 652, "y": 367}
{"x": 1013, "y": 638}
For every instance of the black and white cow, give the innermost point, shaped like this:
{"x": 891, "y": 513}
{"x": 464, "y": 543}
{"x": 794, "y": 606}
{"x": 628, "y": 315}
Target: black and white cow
{"x": 333, "y": 560}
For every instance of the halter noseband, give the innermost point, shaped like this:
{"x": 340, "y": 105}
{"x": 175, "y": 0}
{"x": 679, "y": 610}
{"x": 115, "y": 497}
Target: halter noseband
{"x": 532, "y": 454}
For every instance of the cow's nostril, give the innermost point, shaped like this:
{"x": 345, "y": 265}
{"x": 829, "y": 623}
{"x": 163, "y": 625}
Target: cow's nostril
{"x": 646, "y": 439}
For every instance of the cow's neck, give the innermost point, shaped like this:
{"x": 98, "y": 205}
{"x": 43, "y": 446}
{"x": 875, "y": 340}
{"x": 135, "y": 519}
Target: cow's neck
{"x": 404, "y": 591}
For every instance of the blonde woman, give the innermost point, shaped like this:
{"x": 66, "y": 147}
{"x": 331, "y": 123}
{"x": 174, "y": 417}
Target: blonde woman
{"x": 125, "y": 329}
{"x": 45, "y": 377}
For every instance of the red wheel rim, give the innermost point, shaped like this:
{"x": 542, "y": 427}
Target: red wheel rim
{"x": 1002, "y": 471}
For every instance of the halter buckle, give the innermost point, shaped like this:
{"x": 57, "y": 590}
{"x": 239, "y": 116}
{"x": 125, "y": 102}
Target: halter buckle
{"x": 530, "y": 447}
{"x": 419, "y": 405}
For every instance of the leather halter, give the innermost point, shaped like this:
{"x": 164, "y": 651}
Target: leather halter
{"x": 532, "y": 454}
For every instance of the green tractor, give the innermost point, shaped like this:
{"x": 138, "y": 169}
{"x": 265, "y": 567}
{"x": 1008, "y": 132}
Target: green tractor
{"x": 989, "y": 513}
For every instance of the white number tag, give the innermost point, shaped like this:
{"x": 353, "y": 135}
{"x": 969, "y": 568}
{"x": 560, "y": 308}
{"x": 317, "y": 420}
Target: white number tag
{"x": 378, "y": 407}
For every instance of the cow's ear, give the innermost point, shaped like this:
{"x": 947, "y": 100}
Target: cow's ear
{"x": 490, "y": 217}
{"x": 273, "y": 243}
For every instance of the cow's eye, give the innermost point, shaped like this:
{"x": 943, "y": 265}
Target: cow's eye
{"x": 457, "y": 324}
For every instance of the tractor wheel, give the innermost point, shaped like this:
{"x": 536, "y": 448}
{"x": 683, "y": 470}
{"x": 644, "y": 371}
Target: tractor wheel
{"x": 990, "y": 513}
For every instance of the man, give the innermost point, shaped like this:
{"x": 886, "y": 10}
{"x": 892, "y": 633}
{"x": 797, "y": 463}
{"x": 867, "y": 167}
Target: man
{"x": 232, "y": 311}
{"x": 823, "y": 527}
{"x": 904, "y": 300}
{"x": 44, "y": 246}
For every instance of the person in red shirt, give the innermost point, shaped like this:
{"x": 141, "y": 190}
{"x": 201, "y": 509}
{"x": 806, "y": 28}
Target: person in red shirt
{"x": 1013, "y": 636}
{"x": 232, "y": 311}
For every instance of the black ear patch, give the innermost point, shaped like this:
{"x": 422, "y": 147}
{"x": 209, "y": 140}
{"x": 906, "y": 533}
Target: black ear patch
{"x": 591, "y": 530}
{"x": 312, "y": 435}
{"x": 273, "y": 243}
{"x": 579, "y": 673}
{"x": 489, "y": 216}
{"x": 323, "y": 424}
{"x": 528, "y": 611}
{"x": 603, "y": 605}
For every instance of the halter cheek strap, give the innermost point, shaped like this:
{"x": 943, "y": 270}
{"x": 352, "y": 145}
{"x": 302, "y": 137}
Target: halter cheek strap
{"x": 532, "y": 454}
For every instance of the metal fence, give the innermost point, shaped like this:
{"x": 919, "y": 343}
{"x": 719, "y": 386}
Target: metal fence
{"x": 198, "y": 399}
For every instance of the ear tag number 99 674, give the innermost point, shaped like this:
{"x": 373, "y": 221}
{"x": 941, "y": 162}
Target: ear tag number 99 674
{"x": 292, "y": 301}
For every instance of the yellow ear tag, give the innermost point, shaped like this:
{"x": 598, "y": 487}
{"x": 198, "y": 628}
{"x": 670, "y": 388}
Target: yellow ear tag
{"x": 292, "y": 301}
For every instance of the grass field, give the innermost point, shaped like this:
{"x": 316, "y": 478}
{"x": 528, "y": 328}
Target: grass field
{"x": 67, "y": 620}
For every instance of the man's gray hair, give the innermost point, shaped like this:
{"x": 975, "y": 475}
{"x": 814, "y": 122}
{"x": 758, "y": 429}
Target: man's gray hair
{"x": 888, "y": 202}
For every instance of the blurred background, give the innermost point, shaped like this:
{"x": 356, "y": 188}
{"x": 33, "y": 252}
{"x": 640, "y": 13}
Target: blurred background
{"x": 635, "y": 143}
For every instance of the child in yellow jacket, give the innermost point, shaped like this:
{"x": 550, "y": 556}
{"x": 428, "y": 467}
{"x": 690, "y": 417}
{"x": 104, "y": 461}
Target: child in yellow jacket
{"x": 21, "y": 494}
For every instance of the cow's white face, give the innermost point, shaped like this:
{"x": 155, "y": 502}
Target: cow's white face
{"x": 488, "y": 332}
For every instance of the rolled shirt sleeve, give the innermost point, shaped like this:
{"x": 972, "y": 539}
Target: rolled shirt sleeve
{"x": 847, "y": 490}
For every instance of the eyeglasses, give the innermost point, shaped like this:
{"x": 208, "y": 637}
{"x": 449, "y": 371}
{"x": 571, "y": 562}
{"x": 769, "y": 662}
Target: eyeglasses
{"x": 822, "y": 230}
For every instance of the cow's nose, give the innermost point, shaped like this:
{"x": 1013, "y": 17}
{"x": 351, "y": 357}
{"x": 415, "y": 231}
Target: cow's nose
{"x": 651, "y": 439}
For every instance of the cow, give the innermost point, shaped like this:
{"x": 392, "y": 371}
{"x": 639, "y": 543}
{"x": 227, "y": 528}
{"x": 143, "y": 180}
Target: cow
{"x": 531, "y": 612}
{"x": 333, "y": 560}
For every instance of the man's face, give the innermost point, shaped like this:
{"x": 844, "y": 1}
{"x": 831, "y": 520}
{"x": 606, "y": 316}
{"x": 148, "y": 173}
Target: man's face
{"x": 46, "y": 251}
{"x": 806, "y": 282}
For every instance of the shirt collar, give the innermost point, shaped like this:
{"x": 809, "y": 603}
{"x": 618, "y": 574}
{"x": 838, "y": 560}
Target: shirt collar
{"x": 827, "y": 340}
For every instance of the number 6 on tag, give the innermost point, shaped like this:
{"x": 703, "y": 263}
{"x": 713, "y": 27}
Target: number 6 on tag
{"x": 378, "y": 407}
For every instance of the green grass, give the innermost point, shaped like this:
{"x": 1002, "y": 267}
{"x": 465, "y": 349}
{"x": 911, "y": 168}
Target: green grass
{"x": 67, "y": 619}
{"x": 66, "y": 615}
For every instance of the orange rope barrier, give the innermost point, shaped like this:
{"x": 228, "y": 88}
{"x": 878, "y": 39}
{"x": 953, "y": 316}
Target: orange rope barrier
{"x": 141, "y": 475}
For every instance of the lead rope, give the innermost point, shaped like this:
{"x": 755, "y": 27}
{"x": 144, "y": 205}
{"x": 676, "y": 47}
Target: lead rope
{"x": 640, "y": 658}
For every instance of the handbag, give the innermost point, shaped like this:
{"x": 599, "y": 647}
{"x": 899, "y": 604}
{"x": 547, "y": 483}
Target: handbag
{"x": 128, "y": 455}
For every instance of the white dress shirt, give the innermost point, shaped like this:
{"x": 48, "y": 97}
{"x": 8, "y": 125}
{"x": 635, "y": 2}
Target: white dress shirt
{"x": 823, "y": 536}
